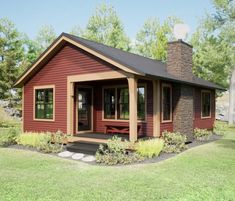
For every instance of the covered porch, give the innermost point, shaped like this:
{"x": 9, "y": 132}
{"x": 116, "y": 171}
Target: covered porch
{"x": 100, "y": 105}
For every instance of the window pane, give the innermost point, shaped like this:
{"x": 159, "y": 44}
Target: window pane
{"x": 44, "y": 104}
{"x": 206, "y": 104}
{"x": 141, "y": 103}
{"x": 166, "y": 103}
{"x": 123, "y": 103}
{"x": 109, "y": 103}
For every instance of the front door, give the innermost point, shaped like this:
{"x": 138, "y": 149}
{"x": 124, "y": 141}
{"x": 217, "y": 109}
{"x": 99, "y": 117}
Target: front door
{"x": 84, "y": 108}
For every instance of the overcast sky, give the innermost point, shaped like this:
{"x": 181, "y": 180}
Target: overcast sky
{"x": 30, "y": 15}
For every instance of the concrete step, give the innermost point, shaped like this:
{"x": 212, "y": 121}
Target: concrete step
{"x": 83, "y": 147}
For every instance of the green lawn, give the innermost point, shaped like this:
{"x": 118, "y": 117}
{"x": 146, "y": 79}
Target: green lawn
{"x": 206, "y": 173}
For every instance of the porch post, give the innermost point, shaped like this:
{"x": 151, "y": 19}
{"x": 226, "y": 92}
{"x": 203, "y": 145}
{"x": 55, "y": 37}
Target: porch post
{"x": 156, "y": 108}
{"x": 70, "y": 106}
{"x": 132, "y": 83}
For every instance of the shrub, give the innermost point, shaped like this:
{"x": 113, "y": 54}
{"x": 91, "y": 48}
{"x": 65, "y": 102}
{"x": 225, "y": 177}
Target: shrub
{"x": 174, "y": 142}
{"x": 219, "y": 128}
{"x": 33, "y": 139}
{"x": 202, "y": 134}
{"x": 149, "y": 148}
{"x": 115, "y": 152}
{"x": 8, "y": 136}
{"x": 45, "y": 142}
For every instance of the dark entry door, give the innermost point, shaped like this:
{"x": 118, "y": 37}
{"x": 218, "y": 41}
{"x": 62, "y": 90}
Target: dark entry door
{"x": 84, "y": 108}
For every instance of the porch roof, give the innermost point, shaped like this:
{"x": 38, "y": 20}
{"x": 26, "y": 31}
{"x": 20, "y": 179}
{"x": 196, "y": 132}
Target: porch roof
{"x": 136, "y": 64}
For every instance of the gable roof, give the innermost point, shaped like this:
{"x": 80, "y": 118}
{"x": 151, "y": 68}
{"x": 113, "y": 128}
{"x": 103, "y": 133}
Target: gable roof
{"x": 126, "y": 61}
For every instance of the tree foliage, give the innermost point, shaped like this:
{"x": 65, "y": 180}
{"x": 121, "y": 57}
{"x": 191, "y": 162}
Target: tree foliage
{"x": 151, "y": 40}
{"x": 214, "y": 44}
{"x": 11, "y": 54}
{"x": 105, "y": 27}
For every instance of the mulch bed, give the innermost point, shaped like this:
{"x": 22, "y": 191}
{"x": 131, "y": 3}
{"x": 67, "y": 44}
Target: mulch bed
{"x": 161, "y": 157}
{"x": 195, "y": 143}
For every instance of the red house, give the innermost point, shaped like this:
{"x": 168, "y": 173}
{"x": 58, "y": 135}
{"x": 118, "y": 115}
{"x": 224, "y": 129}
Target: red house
{"x": 80, "y": 86}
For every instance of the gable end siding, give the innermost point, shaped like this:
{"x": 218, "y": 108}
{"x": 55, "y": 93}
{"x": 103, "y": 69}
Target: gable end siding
{"x": 70, "y": 60}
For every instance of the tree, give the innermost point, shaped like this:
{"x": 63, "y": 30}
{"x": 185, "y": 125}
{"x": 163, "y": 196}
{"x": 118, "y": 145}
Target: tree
{"x": 46, "y": 35}
{"x": 11, "y": 54}
{"x": 33, "y": 48}
{"x": 151, "y": 40}
{"x": 105, "y": 27}
{"x": 214, "y": 44}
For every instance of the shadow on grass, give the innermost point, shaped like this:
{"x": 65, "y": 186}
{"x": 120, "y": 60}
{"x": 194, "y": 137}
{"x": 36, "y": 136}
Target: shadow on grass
{"x": 226, "y": 143}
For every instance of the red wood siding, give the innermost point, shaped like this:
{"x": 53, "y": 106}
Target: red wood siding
{"x": 206, "y": 123}
{"x": 70, "y": 60}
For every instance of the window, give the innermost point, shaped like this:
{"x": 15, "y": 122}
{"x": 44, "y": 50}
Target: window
{"x": 166, "y": 103}
{"x": 44, "y": 103}
{"x": 116, "y": 103}
{"x": 123, "y": 103}
{"x": 141, "y": 103}
{"x": 206, "y": 104}
{"x": 109, "y": 103}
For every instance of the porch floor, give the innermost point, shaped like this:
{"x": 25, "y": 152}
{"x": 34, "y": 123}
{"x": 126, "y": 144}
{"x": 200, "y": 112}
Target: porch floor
{"x": 96, "y": 137}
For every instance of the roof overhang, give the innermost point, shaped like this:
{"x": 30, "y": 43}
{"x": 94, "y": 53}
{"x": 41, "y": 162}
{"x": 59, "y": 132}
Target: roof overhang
{"x": 54, "y": 48}
{"x": 186, "y": 82}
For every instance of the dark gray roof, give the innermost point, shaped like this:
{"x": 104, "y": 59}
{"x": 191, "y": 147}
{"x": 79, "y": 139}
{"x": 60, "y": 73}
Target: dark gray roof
{"x": 140, "y": 64}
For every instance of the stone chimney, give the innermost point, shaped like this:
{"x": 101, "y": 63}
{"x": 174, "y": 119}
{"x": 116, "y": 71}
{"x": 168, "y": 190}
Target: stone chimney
{"x": 179, "y": 64}
{"x": 179, "y": 60}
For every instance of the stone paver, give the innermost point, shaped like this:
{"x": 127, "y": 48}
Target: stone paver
{"x": 88, "y": 159}
{"x": 77, "y": 156}
{"x": 65, "y": 154}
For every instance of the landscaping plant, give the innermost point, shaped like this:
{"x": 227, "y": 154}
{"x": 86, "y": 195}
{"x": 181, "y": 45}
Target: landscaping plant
{"x": 202, "y": 134}
{"x": 45, "y": 142}
{"x": 174, "y": 142}
{"x": 8, "y": 136}
{"x": 149, "y": 148}
{"x": 115, "y": 152}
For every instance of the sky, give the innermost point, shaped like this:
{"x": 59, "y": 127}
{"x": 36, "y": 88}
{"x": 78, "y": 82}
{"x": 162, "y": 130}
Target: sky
{"x": 63, "y": 15}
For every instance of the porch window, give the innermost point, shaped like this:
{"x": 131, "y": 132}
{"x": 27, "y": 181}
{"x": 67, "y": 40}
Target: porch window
{"x": 166, "y": 103}
{"x": 109, "y": 103}
{"x": 44, "y": 103}
{"x": 141, "y": 103}
{"x": 116, "y": 103}
{"x": 123, "y": 103}
{"x": 206, "y": 104}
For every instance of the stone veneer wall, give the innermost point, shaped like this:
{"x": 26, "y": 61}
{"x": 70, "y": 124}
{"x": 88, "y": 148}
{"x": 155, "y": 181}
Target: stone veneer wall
{"x": 183, "y": 110}
{"x": 179, "y": 60}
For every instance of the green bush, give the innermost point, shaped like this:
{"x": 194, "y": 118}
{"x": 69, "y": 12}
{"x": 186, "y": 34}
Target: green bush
{"x": 31, "y": 139}
{"x": 149, "y": 148}
{"x": 202, "y": 134}
{"x": 220, "y": 128}
{"x": 115, "y": 152}
{"x": 45, "y": 142}
{"x": 8, "y": 136}
{"x": 174, "y": 142}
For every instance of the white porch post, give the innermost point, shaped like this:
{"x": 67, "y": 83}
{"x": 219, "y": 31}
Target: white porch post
{"x": 156, "y": 108}
{"x": 70, "y": 106}
{"x": 132, "y": 83}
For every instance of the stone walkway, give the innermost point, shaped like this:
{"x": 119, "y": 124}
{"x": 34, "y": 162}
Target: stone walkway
{"x": 77, "y": 156}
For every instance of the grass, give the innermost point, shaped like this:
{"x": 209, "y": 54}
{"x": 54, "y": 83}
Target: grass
{"x": 205, "y": 172}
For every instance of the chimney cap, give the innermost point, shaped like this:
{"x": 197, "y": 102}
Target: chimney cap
{"x": 180, "y": 41}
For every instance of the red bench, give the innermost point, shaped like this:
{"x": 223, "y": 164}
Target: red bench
{"x": 119, "y": 129}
